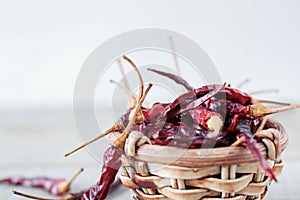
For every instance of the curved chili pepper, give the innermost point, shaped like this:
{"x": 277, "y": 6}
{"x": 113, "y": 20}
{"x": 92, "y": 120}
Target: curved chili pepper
{"x": 48, "y": 184}
{"x": 174, "y": 77}
{"x": 182, "y": 135}
{"x": 111, "y": 165}
{"x": 251, "y": 143}
{"x": 160, "y": 121}
{"x": 54, "y": 186}
{"x": 233, "y": 125}
{"x": 249, "y": 111}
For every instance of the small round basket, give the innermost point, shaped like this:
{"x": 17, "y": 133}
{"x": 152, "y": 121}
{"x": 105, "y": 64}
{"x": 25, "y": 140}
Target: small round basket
{"x": 233, "y": 173}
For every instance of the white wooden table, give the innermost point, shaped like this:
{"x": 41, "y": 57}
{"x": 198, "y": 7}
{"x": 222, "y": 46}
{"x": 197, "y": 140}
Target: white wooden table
{"x": 33, "y": 143}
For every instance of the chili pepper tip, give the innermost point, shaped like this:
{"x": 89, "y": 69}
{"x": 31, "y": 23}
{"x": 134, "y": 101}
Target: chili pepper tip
{"x": 116, "y": 127}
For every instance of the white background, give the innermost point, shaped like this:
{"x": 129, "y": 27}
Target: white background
{"x": 44, "y": 43}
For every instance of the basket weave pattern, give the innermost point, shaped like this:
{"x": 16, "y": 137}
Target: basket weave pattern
{"x": 233, "y": 173}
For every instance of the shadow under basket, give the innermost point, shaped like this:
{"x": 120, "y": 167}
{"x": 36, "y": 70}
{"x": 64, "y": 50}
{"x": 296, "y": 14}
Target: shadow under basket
{"x": 234, "y": 173}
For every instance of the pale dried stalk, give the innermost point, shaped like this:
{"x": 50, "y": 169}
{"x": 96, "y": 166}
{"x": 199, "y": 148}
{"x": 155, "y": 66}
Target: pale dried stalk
{"x": 120, "y": 142}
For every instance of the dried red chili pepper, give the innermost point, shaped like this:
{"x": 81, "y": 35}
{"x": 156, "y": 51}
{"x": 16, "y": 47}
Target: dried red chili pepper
{"x": 174, "y": 77}
{"x": 160, "y": 121}
{"x": 250, "y": 142}
{"x": 233, "y": 124}
{"x": 180, "y": 136}
{"x": 210, "y": 120}
{"x": 253, "y": 111}
{"x": 111, "y": 165}
{"x": 190, "y": 105}
{"x": 55, "y": 186}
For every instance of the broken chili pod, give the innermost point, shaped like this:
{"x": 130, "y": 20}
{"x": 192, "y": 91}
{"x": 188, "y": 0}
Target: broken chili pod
{"x": 211, "y": 120}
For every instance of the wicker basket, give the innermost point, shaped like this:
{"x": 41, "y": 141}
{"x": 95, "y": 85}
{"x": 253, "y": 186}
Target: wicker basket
{"x": 233, "y": 173}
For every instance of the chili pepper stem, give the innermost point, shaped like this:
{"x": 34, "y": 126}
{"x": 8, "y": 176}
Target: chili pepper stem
{"x": 132, "y": 101}
{"x": 65, "y": 186}
{"x": 120, "y": 86}
{"x": 138, "y": 73}
{"x": 241, "y": 84}
{"x": 257, "y": 101}
{"x": 238, "y": 142}
{"x": 258, "y": 110}
{"x": 130, "y": 93}
{"x": 114, "y": 128}
{"x": 264, "y": 91}
{"x": 125, "y": 82}
{"x": 120, "y": 141}
{"x": 174, "y": 54}
{"x": 243, "y": 139}
{"x": 175, "y": 78}
{"x": 39, "y": 198}
{"x": 262, "y": 125}
{"x": 140, "y": 116}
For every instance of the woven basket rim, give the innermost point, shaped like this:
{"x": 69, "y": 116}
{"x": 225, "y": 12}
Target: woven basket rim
{"x": 206, "y": 157}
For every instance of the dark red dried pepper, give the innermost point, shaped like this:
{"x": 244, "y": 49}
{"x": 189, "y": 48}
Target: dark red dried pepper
{"x": 174, "y": 77}
{"x": 48, "y": 184}
{"x": 55, "y": 186}
{"x": 250, "y": 142}
{"x": 169, "y": 109}
{"x": 111, "y": 165}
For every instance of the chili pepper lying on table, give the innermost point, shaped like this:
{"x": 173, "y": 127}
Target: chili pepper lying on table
{"x": 55, "y": 186}
{"x": 198, "y": 117}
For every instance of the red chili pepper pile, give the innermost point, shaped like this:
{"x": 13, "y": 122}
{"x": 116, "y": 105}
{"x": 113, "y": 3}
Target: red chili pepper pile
{"x": 184, "y": 123}
{"x": 210, "y": 116}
